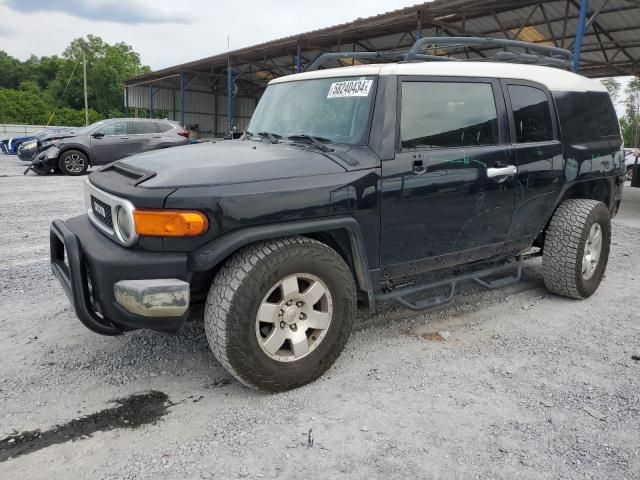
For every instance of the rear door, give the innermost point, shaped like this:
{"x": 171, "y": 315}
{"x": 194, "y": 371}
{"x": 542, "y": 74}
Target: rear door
{"x": 143, "y": 135}
{"x": 448, "y": 196}
{"x": 539, "y": 157}
{"x": 109, "y": 143}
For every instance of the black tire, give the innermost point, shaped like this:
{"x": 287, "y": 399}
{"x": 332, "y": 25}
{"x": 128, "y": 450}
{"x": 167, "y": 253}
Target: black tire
{"x": 73, "y": 163}
{"x": 238, "y": 291}
{"x": 629, "y": 173}
{"x": 564, "y": 248}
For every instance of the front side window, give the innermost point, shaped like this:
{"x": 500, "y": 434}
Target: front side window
{"x": 447, "y": 114}
{"x": 531, "y": 114}
{"x": 334, "y": 110}
{"x": 118, "y": 127}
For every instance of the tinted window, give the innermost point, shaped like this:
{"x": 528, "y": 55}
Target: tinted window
{"x": 115, "y": 128}
{"x": 164, "y": 127}
{"x": 447, "y": 114}
{"x": 604, "y": 114}
{"x": 139, "y": 128}
{"x": 586, "y": 116}
{"x": 531, "y": 114}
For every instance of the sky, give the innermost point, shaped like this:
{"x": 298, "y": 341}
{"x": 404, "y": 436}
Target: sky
{"x": 166, "y": 33}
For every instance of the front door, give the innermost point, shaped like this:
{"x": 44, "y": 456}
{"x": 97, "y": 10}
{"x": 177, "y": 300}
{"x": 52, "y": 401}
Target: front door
{"x": 110, "y": 143}
{"x": 448, "y": 196}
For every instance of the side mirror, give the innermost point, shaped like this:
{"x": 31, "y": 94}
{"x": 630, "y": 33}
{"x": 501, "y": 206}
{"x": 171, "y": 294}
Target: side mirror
{"x": 97, "y": 135}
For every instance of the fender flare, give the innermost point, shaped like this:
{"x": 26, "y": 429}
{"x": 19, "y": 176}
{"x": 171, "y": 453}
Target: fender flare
{"x": 215, "y": 252}
{"x": 65, "y": 148}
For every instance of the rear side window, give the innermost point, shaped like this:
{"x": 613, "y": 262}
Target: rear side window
{"x": 447, "y": 114}
{"x": 604, "y": 114}
{"x": 163, "y": 127}
{"x": 140, "y": 128}
{"x": 531, "y": 114}
{"x": 586, "y": 116}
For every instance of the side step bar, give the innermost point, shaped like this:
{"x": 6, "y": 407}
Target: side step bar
{"x": 479, "y": 277}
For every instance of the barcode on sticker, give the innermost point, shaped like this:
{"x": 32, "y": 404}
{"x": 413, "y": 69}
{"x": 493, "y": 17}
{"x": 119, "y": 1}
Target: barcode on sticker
{"x": 350, "y": 88}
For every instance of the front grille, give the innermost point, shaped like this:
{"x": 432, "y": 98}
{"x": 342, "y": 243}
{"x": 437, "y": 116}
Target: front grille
{"x": 102, "y": 211}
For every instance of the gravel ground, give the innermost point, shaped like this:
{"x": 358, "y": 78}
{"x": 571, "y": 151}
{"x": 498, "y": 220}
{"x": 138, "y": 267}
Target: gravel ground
{"x": 510, "y": 384}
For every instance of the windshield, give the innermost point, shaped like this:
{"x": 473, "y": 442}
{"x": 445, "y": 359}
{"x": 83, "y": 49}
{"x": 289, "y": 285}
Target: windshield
{"x": 332, "y": 109}
{"x": 88, "y": 128}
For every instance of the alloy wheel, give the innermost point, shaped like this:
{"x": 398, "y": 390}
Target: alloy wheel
{"x": 294, "y": 317}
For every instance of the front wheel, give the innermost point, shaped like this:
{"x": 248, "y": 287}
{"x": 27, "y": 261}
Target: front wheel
{"x": 629, "y": 173}
{"x": 73, "y": 162}
{"x": 576, "y": 248}
{"x": 279, "y": 313}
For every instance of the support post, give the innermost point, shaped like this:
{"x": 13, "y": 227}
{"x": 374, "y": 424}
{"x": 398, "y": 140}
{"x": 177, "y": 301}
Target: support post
{"x": 582, "y": 20}
{"x": 299, "y": 59}
{"x": 84, "y": 82}
{"x": 229, "y": 97}
{"x": 419, "y": 30}
{"x": 182, "y": 99}
{"x": 126, "y": 102}
{"x": 215, "y": 113}
{"x": 150, "y": 100}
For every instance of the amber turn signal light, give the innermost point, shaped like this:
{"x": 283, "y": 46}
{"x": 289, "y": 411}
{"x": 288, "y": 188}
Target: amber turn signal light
{"x": 170, "y": 223}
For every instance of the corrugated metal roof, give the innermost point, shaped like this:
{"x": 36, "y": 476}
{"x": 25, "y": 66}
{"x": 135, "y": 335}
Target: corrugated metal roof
{"x": 611, "y": 44}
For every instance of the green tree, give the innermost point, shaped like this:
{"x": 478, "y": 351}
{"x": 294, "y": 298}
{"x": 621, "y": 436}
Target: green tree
{"x": 12, "y": 71}
{"x": 613, "y": 86}
{"x": 26, "y": 105}
{"x": 631, "y": 121}
{"x": 107, "y": 68}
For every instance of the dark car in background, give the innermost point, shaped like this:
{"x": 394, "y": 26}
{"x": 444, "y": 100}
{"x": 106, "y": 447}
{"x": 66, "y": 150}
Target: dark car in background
{"x": 72, "y": 152}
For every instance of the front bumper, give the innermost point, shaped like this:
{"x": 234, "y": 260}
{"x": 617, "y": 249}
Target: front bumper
{"x": 88, "y": 266}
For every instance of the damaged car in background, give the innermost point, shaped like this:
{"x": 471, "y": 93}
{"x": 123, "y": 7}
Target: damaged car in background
{"x": 72, "y": 152}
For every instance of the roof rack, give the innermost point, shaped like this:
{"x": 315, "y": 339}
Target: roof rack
{"x": 325, "y": 57}
{"x": 534, "y": 53}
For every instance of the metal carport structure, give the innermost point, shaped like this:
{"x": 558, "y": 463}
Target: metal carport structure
{"x": 220, "y": 92}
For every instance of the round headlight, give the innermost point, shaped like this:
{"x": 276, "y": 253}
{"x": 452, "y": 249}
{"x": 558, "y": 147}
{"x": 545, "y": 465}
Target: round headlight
{"x": 124, "y": 224}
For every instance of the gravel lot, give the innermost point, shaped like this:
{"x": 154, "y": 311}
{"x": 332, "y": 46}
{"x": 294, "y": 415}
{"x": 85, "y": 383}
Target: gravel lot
{"x": 509, "y": 384}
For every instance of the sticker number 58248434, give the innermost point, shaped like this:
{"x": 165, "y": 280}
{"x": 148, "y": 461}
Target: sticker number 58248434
{"x": 350, "y": 88}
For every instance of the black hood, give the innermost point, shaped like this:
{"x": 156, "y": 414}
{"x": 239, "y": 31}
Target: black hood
{"x": 229, "y": 162}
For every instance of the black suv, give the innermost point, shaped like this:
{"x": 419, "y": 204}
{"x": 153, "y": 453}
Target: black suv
{"x": 72, "y": 151}
{"x": 351, "y": 186}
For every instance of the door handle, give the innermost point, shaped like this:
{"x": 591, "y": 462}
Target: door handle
{"x": 418, "y": 167}
{"x": 502, "y": 171}
{"x": 124, "y": 138}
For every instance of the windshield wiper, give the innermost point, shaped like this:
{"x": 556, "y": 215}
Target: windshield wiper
{"x": 273, "y": 137}
{"x": 316, "y": 141}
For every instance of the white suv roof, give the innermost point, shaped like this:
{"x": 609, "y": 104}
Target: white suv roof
{"x": 552, "y": 78}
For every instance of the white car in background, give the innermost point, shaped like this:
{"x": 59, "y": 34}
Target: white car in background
{"x": 629, "y": 161}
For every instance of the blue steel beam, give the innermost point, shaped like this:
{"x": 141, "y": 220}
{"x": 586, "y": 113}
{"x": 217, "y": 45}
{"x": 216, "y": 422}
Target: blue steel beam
{"x": 299, "y": 59}
{"x": 582, "y": 21}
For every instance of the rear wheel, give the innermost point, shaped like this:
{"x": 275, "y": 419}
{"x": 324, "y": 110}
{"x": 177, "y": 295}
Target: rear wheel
{"x": 279, "y": 313}
{"x": 73, "y": 162}
{"x": 576, "y": 248}
{"x": 629, "y": 174}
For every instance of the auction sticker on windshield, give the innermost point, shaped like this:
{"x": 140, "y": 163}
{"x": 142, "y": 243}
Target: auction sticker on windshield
{"x": 350, "y": 88}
